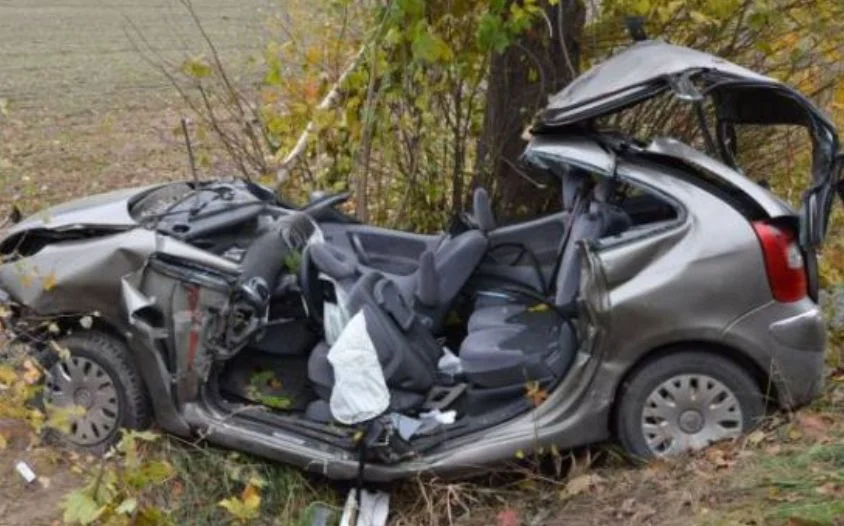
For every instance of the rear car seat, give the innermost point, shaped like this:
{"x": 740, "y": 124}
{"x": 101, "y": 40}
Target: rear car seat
{"x": 511, "y": 343}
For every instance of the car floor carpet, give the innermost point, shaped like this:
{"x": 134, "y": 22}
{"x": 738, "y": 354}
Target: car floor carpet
{"x": 279, "y": 382}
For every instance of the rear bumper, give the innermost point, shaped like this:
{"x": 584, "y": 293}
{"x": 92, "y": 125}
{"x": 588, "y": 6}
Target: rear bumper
{"x": 788, "y": 342}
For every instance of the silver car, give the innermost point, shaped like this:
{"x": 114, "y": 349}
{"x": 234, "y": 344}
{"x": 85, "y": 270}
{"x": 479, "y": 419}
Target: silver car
{"x": 666, "y": 303}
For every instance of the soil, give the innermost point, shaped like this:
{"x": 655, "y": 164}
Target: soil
{"x": 35, "y": 503}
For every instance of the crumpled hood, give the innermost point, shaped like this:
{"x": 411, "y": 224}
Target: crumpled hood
{"x": 107, "y": 210}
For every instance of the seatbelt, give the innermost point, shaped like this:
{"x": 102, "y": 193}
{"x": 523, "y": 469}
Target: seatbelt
{"x": 579, "y": 201}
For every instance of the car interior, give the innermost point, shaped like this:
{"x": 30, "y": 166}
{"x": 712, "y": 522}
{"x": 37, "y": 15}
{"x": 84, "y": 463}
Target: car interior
{"x": 501, "y": 299}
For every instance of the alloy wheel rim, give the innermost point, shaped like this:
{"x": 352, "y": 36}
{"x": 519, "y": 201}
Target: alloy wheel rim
{"x": 84, "y": 385}
{"x": 689, "y": 412}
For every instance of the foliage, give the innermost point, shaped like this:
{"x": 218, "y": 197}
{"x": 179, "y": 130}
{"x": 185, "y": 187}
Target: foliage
{"x": 118, "y": 492}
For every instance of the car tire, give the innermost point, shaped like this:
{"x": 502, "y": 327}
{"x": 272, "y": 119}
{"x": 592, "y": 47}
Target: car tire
{"x": 646, "y": 423}
{"x": 100, "y": 374}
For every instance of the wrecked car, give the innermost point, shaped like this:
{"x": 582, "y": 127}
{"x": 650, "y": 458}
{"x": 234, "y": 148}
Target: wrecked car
{"x": 665, "y": 303}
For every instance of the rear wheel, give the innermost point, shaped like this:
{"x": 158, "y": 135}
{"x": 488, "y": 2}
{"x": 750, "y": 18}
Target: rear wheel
{"x": 684, "y": 402}
{"x": 100, "y": 388}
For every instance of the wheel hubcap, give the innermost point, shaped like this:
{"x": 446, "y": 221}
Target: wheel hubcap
{"x": 689, "y": 412}
{"x": 83, "y": 384}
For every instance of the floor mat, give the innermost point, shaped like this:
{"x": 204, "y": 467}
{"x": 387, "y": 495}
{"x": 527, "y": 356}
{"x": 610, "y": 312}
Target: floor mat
{"x": 279, "y": 382}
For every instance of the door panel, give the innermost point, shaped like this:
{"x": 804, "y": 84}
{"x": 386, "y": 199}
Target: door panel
{"x": 516, "y": 251}
{"x": 382, "y": 249}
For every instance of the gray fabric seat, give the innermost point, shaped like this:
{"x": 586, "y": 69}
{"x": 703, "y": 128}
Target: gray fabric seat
{"x": 407, "y": 352}
{"x": 482, "y": 210}
{"x": 510, "y": 343}
{"x": 540, "y": 348}
{"x": 441, "y": 275}
{"x": 597, "y": 219}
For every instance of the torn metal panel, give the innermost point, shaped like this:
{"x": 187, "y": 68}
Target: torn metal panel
{"x": 102, "y": 210}
{"x": 84, "y": 275}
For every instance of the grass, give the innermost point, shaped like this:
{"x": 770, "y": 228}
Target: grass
{"x": 72, "y": 56}
{"x": 207, "y": 475}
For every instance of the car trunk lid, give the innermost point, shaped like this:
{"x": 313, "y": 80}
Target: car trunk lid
{"x": 739, "y": 95}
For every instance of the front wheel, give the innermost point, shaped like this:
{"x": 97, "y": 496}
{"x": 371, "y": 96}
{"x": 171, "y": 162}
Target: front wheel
{"x": 99, "y": 386}
{"x": 684, "y": 402}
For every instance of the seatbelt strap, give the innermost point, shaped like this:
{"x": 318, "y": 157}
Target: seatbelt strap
{"x": 579, "y": 201}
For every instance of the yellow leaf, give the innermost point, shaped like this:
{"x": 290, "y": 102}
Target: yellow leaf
{"x": 63, "y": 352}
{"x": 535, "y": 393}
{"x": 49, "y": 281}
{"x": 580, "y": 484}
{"x": 539, "y": 307}
{"x": 3, "y": 442}
{"x": 756, "y": 437}
{"x": 251, "y": 497}
{"x": 7, "y": 375}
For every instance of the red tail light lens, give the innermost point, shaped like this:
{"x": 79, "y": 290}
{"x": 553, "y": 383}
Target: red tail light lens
{"x": 783, "y": 262}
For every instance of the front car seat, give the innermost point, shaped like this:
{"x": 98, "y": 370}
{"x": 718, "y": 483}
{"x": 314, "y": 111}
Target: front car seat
{"x": 407, "y": 352}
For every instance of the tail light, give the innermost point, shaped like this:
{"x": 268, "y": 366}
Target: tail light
{"x": 783, "y": 262}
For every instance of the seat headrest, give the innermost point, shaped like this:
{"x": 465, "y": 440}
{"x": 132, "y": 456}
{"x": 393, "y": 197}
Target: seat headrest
{"x": 332, "y": 261}
{"x": 482, "y": 210}
{"x": 604, "y": 189}
{"x": 427, "y": 288}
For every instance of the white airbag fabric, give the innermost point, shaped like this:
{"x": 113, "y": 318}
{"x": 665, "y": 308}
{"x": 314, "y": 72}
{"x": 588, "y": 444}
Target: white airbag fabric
{"x": 335, "y": 315}
{"x": 360, "y": 392}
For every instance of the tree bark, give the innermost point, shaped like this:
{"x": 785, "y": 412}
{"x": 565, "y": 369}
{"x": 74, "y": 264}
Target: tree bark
{"x": 541, "y": 62}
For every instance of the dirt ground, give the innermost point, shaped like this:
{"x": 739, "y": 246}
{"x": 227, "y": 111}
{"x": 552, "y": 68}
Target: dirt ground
{"x": 35, "y": 503}
{"x": 81, "y": 112}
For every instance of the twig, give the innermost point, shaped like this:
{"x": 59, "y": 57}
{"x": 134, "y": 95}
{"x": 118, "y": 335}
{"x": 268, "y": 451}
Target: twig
{"x": 327, "y": 102}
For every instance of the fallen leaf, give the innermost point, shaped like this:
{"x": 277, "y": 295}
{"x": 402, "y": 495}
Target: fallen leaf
{"x": 580, "y": 484}
{"x": 3, "y": 442}
{"x": 128, "y": 506}
{"x": 508, "y": 517}
{"x": 63, "y": 352}
{"x": 176, "y": 489}
{"x": 7, "y": 375}
{"x": 80, "y": 508}
{"x": 251, "y": 497}
{"x": 830, "y": 488}
{"x": 756, "y": 437}
{"x": 49, "y": 282}
{"x": 719, "y": 458}
{"x": 535, "y": 393}
{"x": 31, "y": 373}
{"x": 813, "y": 426}
{"x": 774, "y": 449}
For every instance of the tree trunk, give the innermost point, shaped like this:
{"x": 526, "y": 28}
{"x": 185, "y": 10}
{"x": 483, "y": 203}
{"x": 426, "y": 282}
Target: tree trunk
{"x": 541, "y": 62}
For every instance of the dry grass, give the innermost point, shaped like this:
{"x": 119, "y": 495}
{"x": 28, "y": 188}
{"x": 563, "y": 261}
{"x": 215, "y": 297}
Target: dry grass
{"x": 74, "y": 55}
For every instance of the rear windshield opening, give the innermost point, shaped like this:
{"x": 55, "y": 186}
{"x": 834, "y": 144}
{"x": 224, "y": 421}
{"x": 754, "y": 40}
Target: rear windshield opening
{"x": 643, "y": 207}
{"x": 778, "y": 157}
